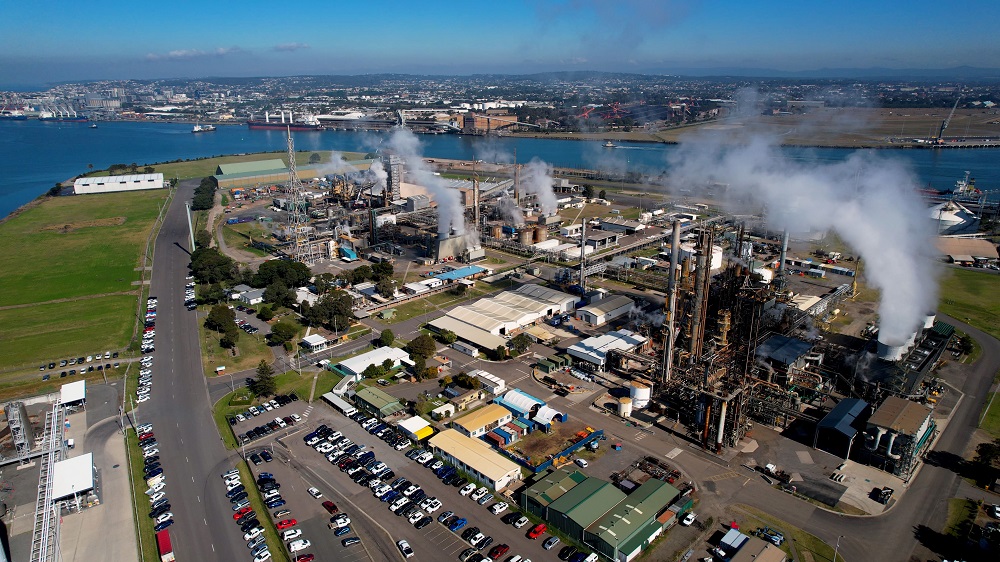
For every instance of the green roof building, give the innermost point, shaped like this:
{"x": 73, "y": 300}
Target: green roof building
{"x": 582, "y": 505}
{"x": 631, "y": 525}
{"x": 254, "y": 166}
{"x": 377, "y": 403}
{"x": 548, "y": 488}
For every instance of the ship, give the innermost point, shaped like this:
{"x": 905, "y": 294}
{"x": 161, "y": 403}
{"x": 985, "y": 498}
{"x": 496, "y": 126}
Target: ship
{"x": 965, "y": 191}
{"x": 609, "y": 144}
{"x": 60, "y": 115}
{"x": 199, "y": 128}
{"x": 306, "y": 123}
{"x": 12, "y": 114}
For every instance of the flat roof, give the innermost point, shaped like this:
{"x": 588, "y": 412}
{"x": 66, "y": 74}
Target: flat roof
{"x": 784, "y": 349}
{"x": 461, "y": 273}
{"x": 414, "y": 424}
{"x": 468, "y": 332}
{"x": 107, "y": 180}
{"x": 314, "y": 340}
{"x": 608, "y": 304}
{"x": 73, "y": 476}
{"x": 474, "y": 453}
{"x": 358, "y": 364}
{"x": 966, "y": 247}
{"x": 486, "y": 415}
{"x": 73, "y": 392}
{"x": 841, "y": 417}
{"x": 900, "y": 415}
{"x": 267, "y": 165}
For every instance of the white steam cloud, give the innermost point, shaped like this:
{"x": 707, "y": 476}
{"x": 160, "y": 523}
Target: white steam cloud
{"x": 381, "y": 176}
{"x": 537, "y": 179}
{"x": 870, "y": 201}
{"x": 510, "y": 211}
{"x": 451, "y": 214}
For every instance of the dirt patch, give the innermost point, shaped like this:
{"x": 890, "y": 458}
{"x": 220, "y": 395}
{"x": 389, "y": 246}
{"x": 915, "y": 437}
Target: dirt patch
{"x": 540, "y": 446}
{"x": 66, "y": 228}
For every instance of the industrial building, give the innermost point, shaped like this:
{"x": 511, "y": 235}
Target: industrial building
{"x": 896, "y": 435}
{"x": 476, "y": 458}
{"x": 549, "y": 487}
{"x": 633, "y": 524}
{"x": 582, "y": 506}
{"x": 491, "y": 383}
{"x": 836, "y": 432}
{"x": 355, "y": 366}
{"x": 416, "y": 428}
{"x": 73, "y": 481}
{"x": 594, "y": 351}
{"x": 605, "y": 310}
{"x": 478, "y": 422}
{"x": 744, "y": 548}
{"x": 504, "y": 314}
{"x": 113, "y": 184}
{"x": 314, "y": 343}
{"x": 376, "y": 403}
{"x": 530, "y": 410}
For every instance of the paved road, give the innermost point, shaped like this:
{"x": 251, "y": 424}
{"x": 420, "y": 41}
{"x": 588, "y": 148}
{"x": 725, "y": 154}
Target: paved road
{"x": 191, "y": 451}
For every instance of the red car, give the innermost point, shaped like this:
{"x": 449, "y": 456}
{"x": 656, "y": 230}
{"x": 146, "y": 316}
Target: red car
{"x": 499, "y": 550}
{"x": 285, "y": 524}
{"x": 305, "y": 558}
{"x": 330, "y": 507}
{"x": 242, "y": 512}
{"x": 146, "y": 436}
{"x": 537, "y": 531}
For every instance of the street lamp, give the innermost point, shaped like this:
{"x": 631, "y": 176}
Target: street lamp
{"x": 232, "y": 382}
{"x": 837, "y": 549}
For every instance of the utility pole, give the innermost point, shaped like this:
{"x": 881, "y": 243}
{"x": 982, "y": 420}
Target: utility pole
{"x": 190, "y": 227}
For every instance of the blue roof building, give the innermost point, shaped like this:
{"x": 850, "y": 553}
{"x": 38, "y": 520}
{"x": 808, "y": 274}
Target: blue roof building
{"x": 461, "y": 273}
{"x": 835, "y": 433}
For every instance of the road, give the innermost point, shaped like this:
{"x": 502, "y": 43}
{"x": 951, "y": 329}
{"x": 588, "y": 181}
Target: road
{"x": 191, "y": 451}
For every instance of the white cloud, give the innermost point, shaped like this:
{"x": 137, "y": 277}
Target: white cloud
{"x": 189, "y": 54}
{"x": 289, "y": 47}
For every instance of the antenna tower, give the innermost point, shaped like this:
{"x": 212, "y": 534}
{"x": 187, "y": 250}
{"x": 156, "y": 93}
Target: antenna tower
{"x": 298, "y": 222}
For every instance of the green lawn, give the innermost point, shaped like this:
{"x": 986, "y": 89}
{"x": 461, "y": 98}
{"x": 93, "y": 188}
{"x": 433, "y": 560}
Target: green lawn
{"x": 252, "y": 349}
{"x": 990, "y": 417}
{"x": 140, "y": 504}
{"x": 50, "y": 332}
{"x": 961, "y": 515}
{"x": 236, "y": 236}
{"x": 206, "y": 166}
{"x": 69, "y": 247}
{"x": 803, "y": 541}
{"x": 972, "y": 296}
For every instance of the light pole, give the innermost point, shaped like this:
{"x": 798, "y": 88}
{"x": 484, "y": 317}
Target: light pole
{"x": 837, "y": 549}
{"x": 232, "y": 383}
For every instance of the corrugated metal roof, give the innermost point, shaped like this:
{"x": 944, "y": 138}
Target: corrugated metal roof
{"x": 468, "y": 332}
{"x": 254, "y": 166}
{"x": 784, "y": 349}
{"x": 607, "y": 305}
{"x": 900, "y": 415}
{"x": 475, "y": 454}
{"x": 380, "y": 400}
{"x": 554, "y": 484}
{"x": 486, "y": 415}
{"x": 634, "y": 512}
{"x": 842, "y": 417}
{"x": 588, "y": 501}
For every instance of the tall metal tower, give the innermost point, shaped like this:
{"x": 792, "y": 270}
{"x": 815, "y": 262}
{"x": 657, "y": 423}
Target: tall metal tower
{"x": 298, "y": 221}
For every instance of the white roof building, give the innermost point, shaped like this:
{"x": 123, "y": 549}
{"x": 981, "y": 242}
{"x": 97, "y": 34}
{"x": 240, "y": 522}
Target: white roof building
{"x": 73, "y": 392}
{"x": 605, "y": 310}
{"x": 512, "y": 310}
{"x": 357, "y": 365}
{"x": 492, "y": 383}
{"x": 111, "y": 184}
{"x": 315, "y": 342}
{"x": 72, "y": 477}
{"x": 595, "y": 350}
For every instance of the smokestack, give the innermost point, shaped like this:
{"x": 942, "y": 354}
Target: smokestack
{"x": 583, "y": 258}
{"x": 722, "y": 427}
{"x": 668, "y": 335}
{"x": 267, "y": 117}
{"x": 781, "y": 263}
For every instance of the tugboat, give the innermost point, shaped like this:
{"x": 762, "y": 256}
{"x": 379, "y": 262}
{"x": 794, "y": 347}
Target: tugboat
{"x": 92, "y": 126}
{"x": 609, "y": 144}
{"x": 199, "y": 128}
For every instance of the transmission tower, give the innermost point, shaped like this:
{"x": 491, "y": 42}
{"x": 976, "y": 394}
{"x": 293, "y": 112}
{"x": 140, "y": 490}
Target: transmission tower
{"x": 298, "y": 221}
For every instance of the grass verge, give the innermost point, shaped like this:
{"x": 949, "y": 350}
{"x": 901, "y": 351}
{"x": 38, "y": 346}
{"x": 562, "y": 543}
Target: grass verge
{"x": 989, "y": 419}
{"x": 971, "y": 296}
{"x": 238, "y": 238}
{"x": 140, "y": 505}
{"x": 252, "y": 349}
{"x": 274, "y": 543}
{"x": 801, "y": 540}
{"x": 961, "y": 515}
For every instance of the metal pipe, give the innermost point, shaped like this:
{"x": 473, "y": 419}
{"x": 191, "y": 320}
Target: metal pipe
{"x": 583, "y": 259}
{"x": 694, "y": 344}
{"x": 668, "y": 337}
{"x": 722, "y": 427}
{"x": 784, "y": 252}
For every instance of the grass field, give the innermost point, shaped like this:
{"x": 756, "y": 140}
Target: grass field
{"x": 140, "y": 504}
{"x": 239, "y": 235}
{"x": 206, "y": 166}
{"x": 70, "y": 247}
{"x": 972, "y": 296}
{"x": 961, "y": 514}
{"x": 252, "y": 349}
{"x": 50, "y": 332}
{"x": 802, "y": 541}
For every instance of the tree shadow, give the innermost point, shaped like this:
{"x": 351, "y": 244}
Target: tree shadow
{"x": 183, "y": 249}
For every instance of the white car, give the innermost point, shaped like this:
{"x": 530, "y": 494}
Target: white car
{"x": 380, "y": 490}
{"x": 478, "y": 494}
{"x": 404, "y": 548}
{"x": 341, "y": 520}
{"x": 467, "y": 489}
{"x": 271, "y": 494}
{"x": 498, "y": 507}
{"x": 155, "y": 497}
{"x": 155, "y": 488}
{"x": 324, "y": 448}
{"x": 145, "y": 428}
{"x": 291, "y": 534}
{"x": 263, "y": 556}
{"x": 430, "y": 505}
{"x": 298, "y": 545}
{"x": 689, "y": 518}
{"x": 150, "y": 452}
{"x": 315, "y": 493}
{"x": 253, "y": 533}
{"x": 416, "y": 516}
{"x": 397, "y": 503}
{"x": 143, "y": 398}
{"x": 165, "y": 517}
{"x": 582, "y": 463}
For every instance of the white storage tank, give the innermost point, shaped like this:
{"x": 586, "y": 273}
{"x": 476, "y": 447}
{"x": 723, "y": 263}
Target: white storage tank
{"x": 625, "y": 407}
{"x": 640, "y": 394}
{"x": 891, "y": 350}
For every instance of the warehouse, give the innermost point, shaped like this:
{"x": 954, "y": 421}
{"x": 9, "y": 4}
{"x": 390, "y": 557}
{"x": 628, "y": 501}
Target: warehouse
{"x": 376, "y": 403}
{"x": 548, "y": 488}
{"x": 595, "y": 350}
{"x": 582, "y": 506}
{"x": 605, "y": 310}
{"x": 476, "y": 458}
{"x": 112, "y": 184}
{"x": 506, "y": 313}
{"x": 416, "y": 428}
{"x": 73, "y": 480}
{"x": 355, "y": 366}
{"x": 487, "y": 418}
{"x": 624, "y": 531}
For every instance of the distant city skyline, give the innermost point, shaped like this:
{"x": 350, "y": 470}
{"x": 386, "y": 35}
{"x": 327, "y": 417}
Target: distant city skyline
{"x": 48, "y": 42}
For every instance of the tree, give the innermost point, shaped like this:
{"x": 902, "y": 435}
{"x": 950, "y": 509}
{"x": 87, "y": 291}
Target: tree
{"x": 265, "y": 313}
{"x": 965, "y": 344}
{"x": 202, "y": 239}
{"x": 282, "y": 332}
{"x": 219, "y": 318}
{"x": 213, "y": 294}
{"x": 588, "y": 191}
{"x": 988, "y": 454}
{"x": 445, "y": 381}
{"x": 603, "y": 194}
{"x": 422, "y": 346}
{"x": 447, "y": 337}
{"x": 381, "y": 269}
{"x": 279, "y": 294}
{"x": 458, "y": 289}
{"x": 210, "y": 266}
{"x": 314, "y": 158}
{"x": 360, "y": 274}
{"x": 148, "y": 170}
{"x": 373, "y": 372}
{"x": 519, "y": 344}
{"x": 385, "y": 288}
{"x": 55, "y": 190}
{"x": 263, "y": 384}
{"x": 500, "y": 353}
{"x": 291, "y": 273}
{"x": 228, "y": 341}
{"x": 386, "y": 337}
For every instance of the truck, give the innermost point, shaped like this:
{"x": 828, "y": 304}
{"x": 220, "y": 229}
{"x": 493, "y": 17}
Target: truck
{"x": 163, "y": 545}
{"x": 347, "y": 255}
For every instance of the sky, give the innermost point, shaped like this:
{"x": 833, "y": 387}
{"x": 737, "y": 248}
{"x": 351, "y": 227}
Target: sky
{"x": 49, "y": 41}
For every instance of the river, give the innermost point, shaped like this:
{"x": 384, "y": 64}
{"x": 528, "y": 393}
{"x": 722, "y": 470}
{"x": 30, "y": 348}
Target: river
{"x": 34, "y": 154}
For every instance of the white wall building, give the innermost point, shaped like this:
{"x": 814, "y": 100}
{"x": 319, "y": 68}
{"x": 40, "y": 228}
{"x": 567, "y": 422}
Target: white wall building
{"x": 111, "y": 184}
{"x": 595, "y": 350}
{"x": 605, "y": 310}
{"x": 476, "y": 458}
{"x": 356, "y": 365}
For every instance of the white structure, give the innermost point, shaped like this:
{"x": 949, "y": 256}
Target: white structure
{"x": 476, "y": 458}
{"x": 491, "y": 383}
{"x": 605, "y": 310}
{"x": 340, "y": 404}
{"x": 73, "y": 393}
{"x": 416, "y": 428}
{"x": 571, "y": 230}
{"x": 72, "y": 478}
{"x": 111, "y": 184}
{"x": 354, "y": 366}
{"x": 304, "y": 295}
{"x": 953, "y": 218}
{"x": 510, "y": 311}
{"x": 315, "y": 342}
{"x": 595, "y": 350}
{"x": 252, "y": 297}
{"x": 640, "y": 394}
{"x": 689, "y": 251}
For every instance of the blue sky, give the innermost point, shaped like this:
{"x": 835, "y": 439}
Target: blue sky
{"x": 48, "y": 41}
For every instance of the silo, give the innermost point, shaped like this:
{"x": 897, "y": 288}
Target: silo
{"x": 496, "y": 231}
{"x": 625, "y": 407}
{"x": 929, "y": 320}
{"x": 541, "y": 234}
{"x": 525, "y": 236}
{"x": 640, "y": 394}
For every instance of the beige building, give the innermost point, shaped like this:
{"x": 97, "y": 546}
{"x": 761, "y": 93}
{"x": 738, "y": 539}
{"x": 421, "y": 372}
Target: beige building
{"x": 476, "y": 458}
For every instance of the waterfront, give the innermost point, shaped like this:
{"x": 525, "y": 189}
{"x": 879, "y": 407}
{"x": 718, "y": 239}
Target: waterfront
{"x": 34, "y": 155}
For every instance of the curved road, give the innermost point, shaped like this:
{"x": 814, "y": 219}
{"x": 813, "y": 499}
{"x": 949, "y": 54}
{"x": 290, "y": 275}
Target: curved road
{"x": 191, "y": 451}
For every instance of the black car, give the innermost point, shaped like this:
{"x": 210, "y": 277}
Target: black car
{"x": 459, "y": 482}
{"x": 266, "y": 456}
{"x": 245, "y": 517}
{"x": 158, "y": 511}
{"x": 293, "y": 396}
{"x": 149, "y": 467}
{"x": 239, "y": 497}
{"x": 566, "y": 552}
{"x": 255, "y": 458}
{"x": 152, "y": 459}
{"x": 249, "y": 525}
{"x": 468, "y": 533}
{"x": 485, "y": 543}
{"x": 511, "y": 517}
{"x": 236, "y": 490}
{"x": 423, "y": 522}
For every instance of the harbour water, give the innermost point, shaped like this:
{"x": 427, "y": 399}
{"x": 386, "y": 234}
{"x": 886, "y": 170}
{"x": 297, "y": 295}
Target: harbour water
{"x": 35, "y": 155}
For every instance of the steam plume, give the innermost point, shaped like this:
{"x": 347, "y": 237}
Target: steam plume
{"x": 381, "y": 177}
{"x": 451, "y": 215}
{"x": 869, "y": 200}
{"x": 537, "y": 179}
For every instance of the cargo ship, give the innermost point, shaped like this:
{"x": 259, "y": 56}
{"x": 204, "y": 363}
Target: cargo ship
{"x": 62, "y": 116}
{"x": 12, "y": 114}
{"x": 307, "y": 123}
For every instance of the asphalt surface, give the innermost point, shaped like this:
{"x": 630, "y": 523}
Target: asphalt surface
{"x": 191, "y": 452}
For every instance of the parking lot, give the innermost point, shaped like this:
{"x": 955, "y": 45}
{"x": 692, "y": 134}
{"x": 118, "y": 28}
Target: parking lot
{"x": 371, "y": 519}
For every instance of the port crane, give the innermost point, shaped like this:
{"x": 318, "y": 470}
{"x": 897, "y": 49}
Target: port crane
{"x": 944, "y": 124}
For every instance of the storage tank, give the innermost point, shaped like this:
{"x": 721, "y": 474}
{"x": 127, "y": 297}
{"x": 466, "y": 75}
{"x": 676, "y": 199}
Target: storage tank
{"x": 640, "y": 394}
{"x": 891, "y": 350}
{"x": 541, "y": 234}
{"x": 929, "y": 320}
{"x": 496, "y": 231}
{"x": 525, "y": 236}
{"x": 625, "y": 407}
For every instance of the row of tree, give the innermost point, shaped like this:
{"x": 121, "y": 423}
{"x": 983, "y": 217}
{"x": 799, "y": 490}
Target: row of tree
{"x": 204, "y": 194}
{"x": 222, "y": 319}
